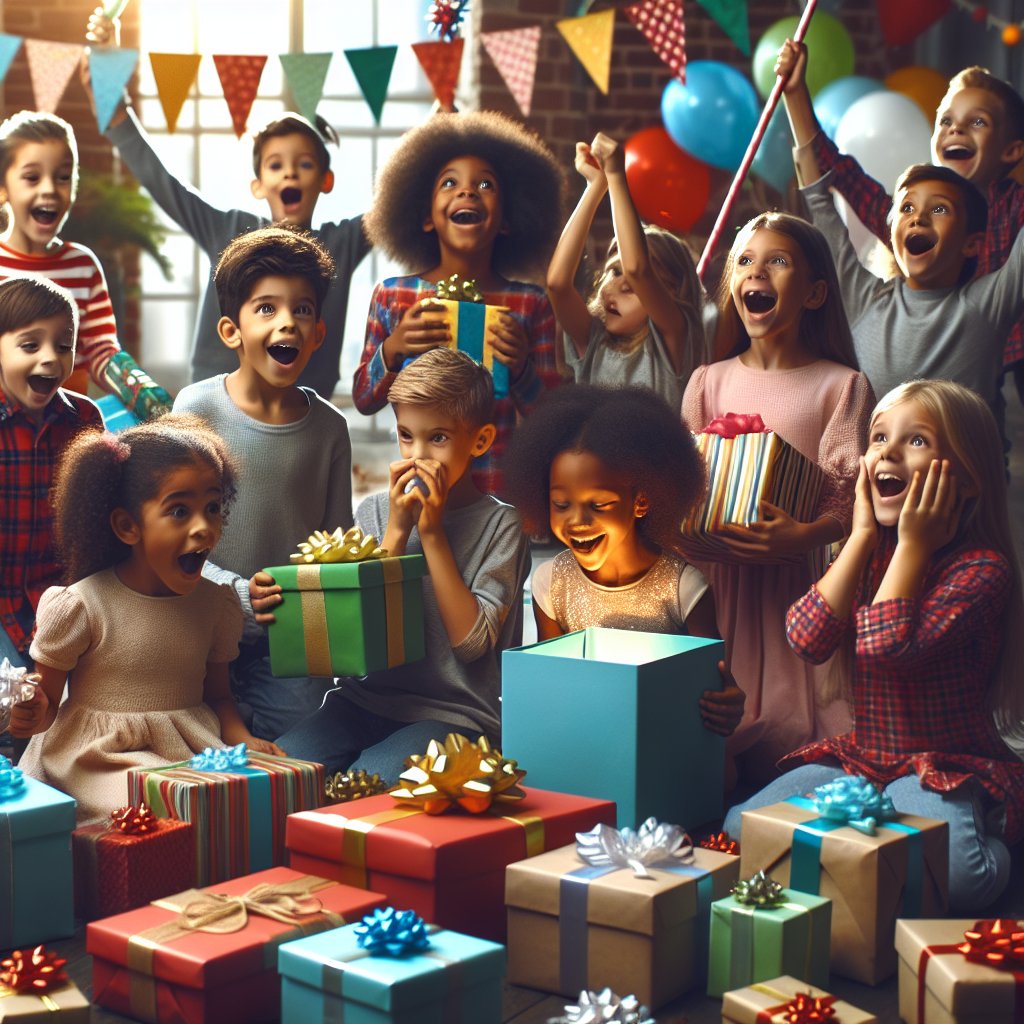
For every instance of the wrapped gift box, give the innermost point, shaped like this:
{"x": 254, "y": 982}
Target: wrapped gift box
{"x": 117, "y": 871}
{"x": 901, "y": 871}
{"x": 329, "y": 977}
{"x": 573, "y": 927}
{"x": 116, "y": 416}
{"x": 348, "y": 618}
{"x": 940, "y": 985}
{"x": 239, "y": 815}
{"x": 36, "y": 875}
{"x": 624, "y": 700}
{"x": 148, "y": 966}
{"x": 750, "y": 945}
{"x": 63, "y": 1004}
{"x": 449, "y": 868}
{"x": 767, "y": 1002}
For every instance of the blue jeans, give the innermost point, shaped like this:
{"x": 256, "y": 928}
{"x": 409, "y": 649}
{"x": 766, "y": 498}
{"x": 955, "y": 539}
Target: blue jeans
{"x": 979, "y": 862}
{"x": 342, "y": 735}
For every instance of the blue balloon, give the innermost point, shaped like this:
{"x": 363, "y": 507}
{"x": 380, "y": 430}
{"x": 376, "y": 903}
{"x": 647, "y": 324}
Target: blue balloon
{"x": 834, "y": 99}
{"x": 713, "y": 115}
{"x": 773, "y": 160}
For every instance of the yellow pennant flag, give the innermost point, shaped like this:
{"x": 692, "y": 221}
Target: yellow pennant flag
{"x": 174, "y": 74}
{"x": 590, "y": 38}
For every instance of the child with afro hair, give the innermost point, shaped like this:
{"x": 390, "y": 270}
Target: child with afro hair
{"x": 480, "y": 196}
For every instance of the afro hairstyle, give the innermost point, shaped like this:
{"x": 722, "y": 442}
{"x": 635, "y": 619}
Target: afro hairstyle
{"x": 633, "y": 431}
{"x": 531, "y": 180}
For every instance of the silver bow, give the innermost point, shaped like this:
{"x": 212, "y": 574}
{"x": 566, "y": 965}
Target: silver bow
{"x": 13, "y": 690}
{"x": 604, "y": 1007}
{"x": 652, "y": 844}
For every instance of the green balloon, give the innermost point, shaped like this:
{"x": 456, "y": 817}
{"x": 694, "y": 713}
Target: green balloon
{"x": 829, "y": 52}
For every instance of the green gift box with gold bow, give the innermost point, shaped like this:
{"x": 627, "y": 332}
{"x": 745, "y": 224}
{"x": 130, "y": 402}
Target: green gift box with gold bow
{"x": 348, "y": 618}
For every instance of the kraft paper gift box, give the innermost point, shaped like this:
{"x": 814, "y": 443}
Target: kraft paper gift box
{"x": 238, "y": 815}
{"x": 148, "y": 965}
{"x": 347, "y": 619}
{"x": 938, "y": 984}
{"x": 61, "y": 1004}
{"x": 573, "y": 927}
{"x": 614, "y": 713}
{"x": 449, "y": 868}
{"x": 901, "y": 871}
{"x": 767, "y": 1003}
{"x": 457, "y": 979}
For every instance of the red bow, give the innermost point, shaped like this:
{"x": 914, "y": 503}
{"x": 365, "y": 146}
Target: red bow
{"x": 134, "y": 820}
{"x": 997, "y": 943}
{"x": 32, "y": 972}
{"x": 733, "y": 423}
{"x": 722, "y": 842}
{"x": 807, "y": 1009}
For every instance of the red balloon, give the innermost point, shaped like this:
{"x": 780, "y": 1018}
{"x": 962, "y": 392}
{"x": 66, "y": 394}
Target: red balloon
{"x": 902, "y": 22}
{"x": 669, "y": 187}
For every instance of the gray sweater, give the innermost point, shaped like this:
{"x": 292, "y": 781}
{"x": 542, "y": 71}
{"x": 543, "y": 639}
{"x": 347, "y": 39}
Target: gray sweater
{"x": 212, "y": 229}
{"x": 901, "y": 333}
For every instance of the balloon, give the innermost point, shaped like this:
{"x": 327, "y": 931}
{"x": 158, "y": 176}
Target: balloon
{"x": 925, "y": 86}
{"x": 773, "y": 160}
{"x": 829, "y": 52}
{"x": 903, "y": 21}
{"x": 669, "y": 187}
{"x": 835, "y": 99}
{"x": 887, "y": 133}
{"x": 713, "y": 115}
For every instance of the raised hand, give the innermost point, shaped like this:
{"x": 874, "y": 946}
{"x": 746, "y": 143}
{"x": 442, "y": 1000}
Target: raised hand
{"x": 608, "y": 153}
{"x": 791, "y": 64}
{"x": 588, "y": 165}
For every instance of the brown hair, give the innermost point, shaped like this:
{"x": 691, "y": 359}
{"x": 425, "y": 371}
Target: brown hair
{"x": 290, "y": 123}
{"x": 458, "y": 385}
{"x": 975, "y": 204}
{"x": 24, "y": 300}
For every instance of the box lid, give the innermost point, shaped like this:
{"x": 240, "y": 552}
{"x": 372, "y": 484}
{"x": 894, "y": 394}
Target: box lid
{"x": 346, "y": 575}
{"x": 37, "y": 810}
{"x": 614, "y": 646}
{"x": 743, "y": 1006}
{"x": 334, "y": 962}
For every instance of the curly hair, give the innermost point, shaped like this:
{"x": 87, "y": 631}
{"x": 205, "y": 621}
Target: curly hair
{"x": 529, "y": 176}
{"x": 633, "y": 431}
{"x": 99, "y": 472}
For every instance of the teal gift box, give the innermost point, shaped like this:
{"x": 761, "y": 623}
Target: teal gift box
{"x": 614, "y": 714}
{"x": 750, "y": 945}
{"x": 116, "y": 416}
{"x": 36, "y": 873}
{"x": 457, "y": 979}
{"x": 347, "y": 618}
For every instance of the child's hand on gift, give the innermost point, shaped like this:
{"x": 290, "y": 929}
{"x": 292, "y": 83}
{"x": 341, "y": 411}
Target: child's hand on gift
{"x": 609, "y": 154}
{"x": 931, "y": 511}
{"x": 722, "y": 710}
{"x": 264, "y": 594}
{"x": 791, "y": 64}
{"x": 28, "y": 716}
{"x": 264, "y": 747}
{"x": 588, "y": 165}
{"x": 510, "y": 344}
{"x": 423, "y": 327}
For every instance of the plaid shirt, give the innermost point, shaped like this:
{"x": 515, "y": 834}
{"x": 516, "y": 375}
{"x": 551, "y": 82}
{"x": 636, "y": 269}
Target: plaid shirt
{"x": 872, "y": 204}
{"x": 921, "y": 674}
{"x": 28, "y": 454}
{"x": 528, "y": 304}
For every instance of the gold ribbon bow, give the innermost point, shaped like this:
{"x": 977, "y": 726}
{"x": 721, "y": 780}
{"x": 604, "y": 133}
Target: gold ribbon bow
{"x": 351, "y": 546}
{"x": 217, "y": 913}
{"x": 353, "y": 785}
{"x": 455, "y": 289}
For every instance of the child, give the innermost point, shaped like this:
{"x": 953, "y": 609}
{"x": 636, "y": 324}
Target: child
{"x": 477, "y": 560}
{"x": 643, "y": 323}
{"x": 612, "y": 471}
{"x": 141, "y": 638}
{"x": 38, "y": 419}
{"x": 779, "y": 307}
{"x": 291, "y": 445}
{"x": 480, "y": 196}
{"x": 928, "y": 585}
{"x": 39, "y": 176}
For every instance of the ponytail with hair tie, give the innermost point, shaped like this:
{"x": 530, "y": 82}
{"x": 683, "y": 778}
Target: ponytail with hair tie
{"x": 120, "y": 450}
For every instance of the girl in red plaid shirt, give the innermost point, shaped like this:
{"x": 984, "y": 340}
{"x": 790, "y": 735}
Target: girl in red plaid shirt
{"x": 928, "y": 592}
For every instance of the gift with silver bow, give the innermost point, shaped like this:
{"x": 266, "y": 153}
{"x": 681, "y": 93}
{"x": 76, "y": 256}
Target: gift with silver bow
{"x": 14, "y": 689}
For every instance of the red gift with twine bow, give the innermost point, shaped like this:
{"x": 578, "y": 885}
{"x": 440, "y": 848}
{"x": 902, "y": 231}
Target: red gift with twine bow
{"x": 734, "y": 423}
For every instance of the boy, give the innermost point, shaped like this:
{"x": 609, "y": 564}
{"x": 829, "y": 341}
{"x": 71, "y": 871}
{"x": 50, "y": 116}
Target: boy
{"x": 477, "y": 558}
{"x": 292, "y": 446}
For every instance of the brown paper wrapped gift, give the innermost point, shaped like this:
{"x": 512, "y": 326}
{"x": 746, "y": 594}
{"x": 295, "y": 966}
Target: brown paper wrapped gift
{"x": 863, "y": 875}
{"x": 749, "y": 1005}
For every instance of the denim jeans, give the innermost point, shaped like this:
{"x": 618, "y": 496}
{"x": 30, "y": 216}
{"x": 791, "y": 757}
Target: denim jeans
{"x": 979, "y": 862}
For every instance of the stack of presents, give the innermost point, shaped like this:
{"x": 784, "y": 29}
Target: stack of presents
{"x": 246, "y": 888}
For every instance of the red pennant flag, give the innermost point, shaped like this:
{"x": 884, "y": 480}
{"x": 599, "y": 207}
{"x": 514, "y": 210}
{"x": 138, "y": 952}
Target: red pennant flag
{"x": 441, "y": 63}
{"x": 240, "y": 79}
{"x": 661, "y": 21}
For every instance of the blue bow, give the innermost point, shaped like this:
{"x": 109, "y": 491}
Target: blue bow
{"x": 854, "y": 801}
{"x": 12, "y": 780}
{"x": 391, "y": 932}
{"x": 221, "y": 759}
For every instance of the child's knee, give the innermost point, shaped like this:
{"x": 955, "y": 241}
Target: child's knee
{"x": 978, "y": 878}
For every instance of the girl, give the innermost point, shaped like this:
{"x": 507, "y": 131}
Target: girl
{"x": 928, "y": 584}
{"x": 479, "y": 196}
{"x": 612, "y": 471}
{"x": 780, "y": 310}
{"x": 142, "y": 638}
{"x": 643, "y": 323}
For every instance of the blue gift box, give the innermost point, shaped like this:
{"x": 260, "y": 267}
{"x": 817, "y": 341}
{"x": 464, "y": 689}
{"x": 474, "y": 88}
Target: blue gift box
{"x": 614, "y": 714}
{"x": 456, "y": 980}
{"x": 36, "y": 875}
{"x": 116, "y": 415}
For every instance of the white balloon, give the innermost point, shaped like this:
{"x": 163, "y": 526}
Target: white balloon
{"x": 887, "y": 132}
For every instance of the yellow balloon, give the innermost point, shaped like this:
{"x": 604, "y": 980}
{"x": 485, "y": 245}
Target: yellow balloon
{"x": 925, "y": 86}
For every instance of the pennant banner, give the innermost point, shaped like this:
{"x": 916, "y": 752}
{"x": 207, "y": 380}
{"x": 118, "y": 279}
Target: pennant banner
{"x": 514, "y": 53}
{"x": 174, "y": 74}
{"x": 306, "y": 73}
{"x": 240, "y": 79}
{"x": 590, "y": 39}
{"x": 50, "y": 67}
{"x": 732, "y": 18}
{"x": 661, "y": 21}
{"x": 9, "y": 46}
{"x": 109, "y": 71}
{"x": 441, "y": 63}
{"x": 372, "y": 68}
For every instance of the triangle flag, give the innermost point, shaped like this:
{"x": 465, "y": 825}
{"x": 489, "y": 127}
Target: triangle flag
{"x": 306, "y": 73}
{"x": 109, "y": 71}
{"x": 514, "y": 53}
{"x": 590, "y": 38}
{"x": 731, "y": 15}
{"x": 441, "y": 63}
{"x": 9, "y": 46}
{"x": 372, "y": 68}
{"x": 240, "y": 79}
{"x": 50, "y": 67}
{"x": 174, "y": 74}
{"x": 661, "y": 21}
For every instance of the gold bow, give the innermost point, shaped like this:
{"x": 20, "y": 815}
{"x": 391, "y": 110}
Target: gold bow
{"x": 351, "y": 546}
{"x": 218, "y": 913}
{"x": 455, "y": 289}
{"x": 344, "y": 786}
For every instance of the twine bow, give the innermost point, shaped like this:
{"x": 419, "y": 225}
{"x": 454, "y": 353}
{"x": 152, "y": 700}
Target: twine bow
{"x": 32, "y": 972}
{"x": 855, "y": 801}
{"x": 352, "y": 545}
{"x": 218, "y": 913}
{"x": 221, "y": 759}
{"x": 997, "y": 942}
{"x": 652, "y": 844}
{"x": 735, "y": 423}
{"x": 134, "y": 821}
{"x": 604, "y": 1007}
{"x": 759, "y": 891}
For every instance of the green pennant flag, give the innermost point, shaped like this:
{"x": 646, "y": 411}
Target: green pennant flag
{"x": 731, "y": 15}
{"x": 306, "y": 73}
{"x": 372, "y": 68}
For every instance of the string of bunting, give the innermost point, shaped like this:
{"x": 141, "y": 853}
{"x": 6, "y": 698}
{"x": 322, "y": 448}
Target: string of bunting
{"x": 1011, "y": 32}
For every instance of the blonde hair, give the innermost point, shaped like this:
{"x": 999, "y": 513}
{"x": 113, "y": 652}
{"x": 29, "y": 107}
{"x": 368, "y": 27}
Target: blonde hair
{"x": 458, "y": 385}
